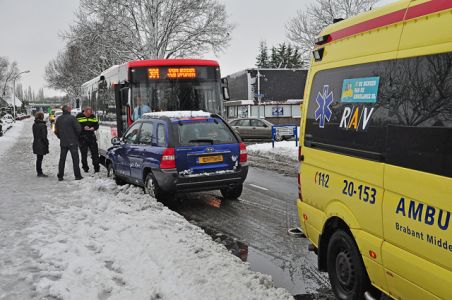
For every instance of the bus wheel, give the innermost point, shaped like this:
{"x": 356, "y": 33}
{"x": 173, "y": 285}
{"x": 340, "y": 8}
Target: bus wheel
{"x": 346, "y": 271}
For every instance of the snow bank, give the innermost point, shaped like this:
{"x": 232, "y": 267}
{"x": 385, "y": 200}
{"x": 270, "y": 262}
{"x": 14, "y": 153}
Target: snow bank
{"x": 116, "y": 242}
{"x": 10, "y": 136}
{"x": 284, "y": 150}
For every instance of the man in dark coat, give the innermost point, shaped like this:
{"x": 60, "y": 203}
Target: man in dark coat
{"x": 40, "y": 142}
{"x": 88, "y": 140}
{"x": 67, "y": 129}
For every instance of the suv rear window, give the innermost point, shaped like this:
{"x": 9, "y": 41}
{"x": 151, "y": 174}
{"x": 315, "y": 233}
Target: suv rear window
{"x": 208, "y": 132}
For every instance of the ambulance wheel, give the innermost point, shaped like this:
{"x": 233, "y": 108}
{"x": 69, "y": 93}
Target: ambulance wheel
{"x": 348, "y": 276}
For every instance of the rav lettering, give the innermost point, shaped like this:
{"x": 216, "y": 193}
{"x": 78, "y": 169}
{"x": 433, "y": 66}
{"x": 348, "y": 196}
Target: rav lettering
{"x": 358, "y": 120}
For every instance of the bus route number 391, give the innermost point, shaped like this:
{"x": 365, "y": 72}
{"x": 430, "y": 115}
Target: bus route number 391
{"x": 364, "y": 193}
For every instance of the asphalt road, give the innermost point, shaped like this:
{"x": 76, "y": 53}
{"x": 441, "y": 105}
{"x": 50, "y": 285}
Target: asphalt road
{"x": 254, "y": 227}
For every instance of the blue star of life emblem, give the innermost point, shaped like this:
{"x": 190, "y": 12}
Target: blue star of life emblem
{"x": 323, "y": 112}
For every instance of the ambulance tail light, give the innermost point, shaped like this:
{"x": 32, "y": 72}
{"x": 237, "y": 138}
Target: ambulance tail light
{"x": 300, "y": 154}
{"x": 321, "y": 40}
{"x": 299, "y": 187}
{"x": 318, "y": 54}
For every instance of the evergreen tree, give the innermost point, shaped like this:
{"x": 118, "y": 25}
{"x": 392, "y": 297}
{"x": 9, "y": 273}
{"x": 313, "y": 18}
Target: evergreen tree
{"x": 285, "y": 56}
{"x": 282, "y": 55}
{"x": 262, "y": 60}
{"x": 274, "y": 59}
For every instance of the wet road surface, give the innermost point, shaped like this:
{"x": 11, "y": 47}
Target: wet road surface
{"x": 254, "y": 228}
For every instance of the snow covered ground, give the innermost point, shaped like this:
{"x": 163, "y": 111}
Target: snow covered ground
{"x": 10, "y": 136}
{"x": 284, "y": 150}
{"x": 91, "y": 239}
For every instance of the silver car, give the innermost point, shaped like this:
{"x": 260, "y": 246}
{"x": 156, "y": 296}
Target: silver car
{"x": 255, "y": 128}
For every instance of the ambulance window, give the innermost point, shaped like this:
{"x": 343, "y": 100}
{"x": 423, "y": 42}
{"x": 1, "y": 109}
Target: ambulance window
{"x": 408, "y": 123}
{"x": 421, "y": 139}
{"x": 349, "y": 127}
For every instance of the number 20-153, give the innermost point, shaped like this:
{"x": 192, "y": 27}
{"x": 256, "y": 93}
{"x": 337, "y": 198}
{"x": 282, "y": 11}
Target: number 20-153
{"x": 364, "y": 193}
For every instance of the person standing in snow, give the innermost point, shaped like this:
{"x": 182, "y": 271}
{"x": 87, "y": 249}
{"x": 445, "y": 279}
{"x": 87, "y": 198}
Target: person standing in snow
{"x": 88, "y": 140}
{"x": 67, "y": 129}
{"x": 40, "y": 142}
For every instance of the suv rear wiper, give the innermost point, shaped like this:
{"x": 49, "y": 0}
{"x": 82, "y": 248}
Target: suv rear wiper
{"x": 201, "y": 141}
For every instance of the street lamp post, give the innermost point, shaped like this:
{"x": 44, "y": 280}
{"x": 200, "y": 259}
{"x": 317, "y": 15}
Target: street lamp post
{"x": 14, "y": 93}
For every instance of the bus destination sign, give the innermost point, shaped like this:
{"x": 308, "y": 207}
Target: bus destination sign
{"x": 175, "y": 73}
{"x": 172, "y": 73}
{"x": 153, "y": 73}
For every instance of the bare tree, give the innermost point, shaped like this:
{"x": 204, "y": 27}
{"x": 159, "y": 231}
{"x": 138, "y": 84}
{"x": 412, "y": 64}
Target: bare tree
{"x": 7, "y": 72}
{"x": 65, "y": 71}
{"x": 306, "y": 25}
{"x": 109, "y": 32}
{"x": 145, "y": 29}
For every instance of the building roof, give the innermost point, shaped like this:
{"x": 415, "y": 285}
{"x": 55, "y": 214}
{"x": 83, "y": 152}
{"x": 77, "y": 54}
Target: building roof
{"x": 10, "y": 101}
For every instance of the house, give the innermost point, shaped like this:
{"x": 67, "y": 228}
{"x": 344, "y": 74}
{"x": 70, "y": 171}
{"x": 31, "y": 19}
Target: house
{"x": 272, "y": 94}
{"x": 261, "y": 85}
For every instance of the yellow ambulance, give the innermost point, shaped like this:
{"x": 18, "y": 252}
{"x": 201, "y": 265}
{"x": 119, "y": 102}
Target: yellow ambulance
{"x": 376, "y": 153}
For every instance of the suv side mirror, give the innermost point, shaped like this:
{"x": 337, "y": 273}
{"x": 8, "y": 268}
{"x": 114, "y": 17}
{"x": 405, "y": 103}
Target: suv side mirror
{"x": 116, "y": 141}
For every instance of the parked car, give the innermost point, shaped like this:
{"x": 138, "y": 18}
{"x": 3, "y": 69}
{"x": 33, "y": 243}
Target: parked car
{"x": 8, "y": 118}
{"x": 20, "y": 116}
{"x": 255, "y": 128}
{"x": 7, "y": 121}
{"x": 172, "y": 152}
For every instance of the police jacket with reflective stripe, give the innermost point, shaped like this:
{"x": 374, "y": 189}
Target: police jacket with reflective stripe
{"x": 90, "y": 121}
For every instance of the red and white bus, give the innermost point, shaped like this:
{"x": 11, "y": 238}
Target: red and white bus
{"x": 122, "y": 93}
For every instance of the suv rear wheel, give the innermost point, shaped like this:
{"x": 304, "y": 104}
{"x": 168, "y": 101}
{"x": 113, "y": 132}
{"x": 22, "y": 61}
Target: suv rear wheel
{"x": 232, "y": 193}
{"x": 348, "y": 276}
{"x": 151, "y": 187}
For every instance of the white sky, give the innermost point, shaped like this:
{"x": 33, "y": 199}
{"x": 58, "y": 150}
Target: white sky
{"x": 29, "y": 35}
{"x": 29, "y": 32}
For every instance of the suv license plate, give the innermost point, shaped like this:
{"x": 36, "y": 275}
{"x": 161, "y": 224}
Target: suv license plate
{"x": 210, "y": 159}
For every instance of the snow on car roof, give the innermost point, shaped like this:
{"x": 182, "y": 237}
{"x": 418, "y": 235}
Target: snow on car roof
{"x": 178, "y": 114}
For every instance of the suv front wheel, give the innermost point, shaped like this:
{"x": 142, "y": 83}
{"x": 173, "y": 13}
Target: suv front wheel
{"x": 232, "y": 193}
{"x": 111, "y": 173}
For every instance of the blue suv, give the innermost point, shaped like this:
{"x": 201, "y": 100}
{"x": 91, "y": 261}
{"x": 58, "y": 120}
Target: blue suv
{"x": 180, "y": 151}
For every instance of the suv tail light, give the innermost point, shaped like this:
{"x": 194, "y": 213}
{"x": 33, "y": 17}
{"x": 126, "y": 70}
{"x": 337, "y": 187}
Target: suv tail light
{"x": 243, "y": 153}
{"x": 168, "y": 160}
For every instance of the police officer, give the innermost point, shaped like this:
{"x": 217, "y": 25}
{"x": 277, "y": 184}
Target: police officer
{"x": 89, "y": 124}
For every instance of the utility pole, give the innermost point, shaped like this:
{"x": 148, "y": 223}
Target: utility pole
{"x": 14, "y": 93}
{"x": 259, "y": 96}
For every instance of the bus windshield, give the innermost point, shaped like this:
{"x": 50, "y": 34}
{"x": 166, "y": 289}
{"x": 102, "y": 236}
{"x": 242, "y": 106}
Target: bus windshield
{"x": 175, "y": 88}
